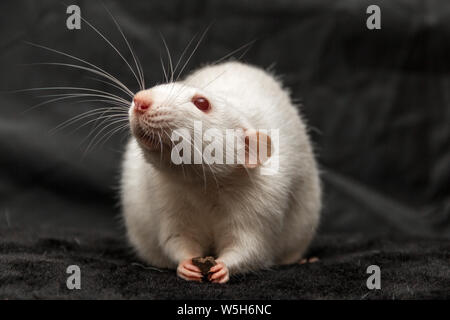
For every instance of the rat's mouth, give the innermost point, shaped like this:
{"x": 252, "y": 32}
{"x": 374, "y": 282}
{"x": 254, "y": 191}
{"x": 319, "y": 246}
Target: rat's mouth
{"x": 152, "y": 140}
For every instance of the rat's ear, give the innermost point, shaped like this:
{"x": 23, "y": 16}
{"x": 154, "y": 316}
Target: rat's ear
{"x": 258, "y": 147}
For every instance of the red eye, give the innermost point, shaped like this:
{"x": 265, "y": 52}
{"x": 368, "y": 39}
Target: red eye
{"x": 201, "y": 103}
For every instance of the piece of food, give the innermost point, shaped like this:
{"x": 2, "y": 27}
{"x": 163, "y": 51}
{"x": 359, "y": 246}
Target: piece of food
{"x": 204, "y": 264}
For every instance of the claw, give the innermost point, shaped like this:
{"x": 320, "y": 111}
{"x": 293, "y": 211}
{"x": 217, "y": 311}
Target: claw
{"x": 219, "y": 273}
{"x": 310, "y": 260}
{"x": 187, "y": 271}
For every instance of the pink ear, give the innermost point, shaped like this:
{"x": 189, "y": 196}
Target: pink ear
{"x": 258, "y": 148}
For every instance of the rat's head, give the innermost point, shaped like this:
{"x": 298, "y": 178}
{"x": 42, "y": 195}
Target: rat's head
{"x": 175, "y": 123}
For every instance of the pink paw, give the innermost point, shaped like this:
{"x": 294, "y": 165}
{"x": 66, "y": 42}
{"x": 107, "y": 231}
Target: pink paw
{"x": 310, "y": 260}
{"x": 187, "y": 271}
{"x": 219, "y": 273}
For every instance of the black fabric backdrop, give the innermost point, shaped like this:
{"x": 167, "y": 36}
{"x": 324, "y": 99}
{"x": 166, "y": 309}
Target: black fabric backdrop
{"x": 377, "y": 103}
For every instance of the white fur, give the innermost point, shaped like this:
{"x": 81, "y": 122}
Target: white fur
{"x": 247, "y": 220}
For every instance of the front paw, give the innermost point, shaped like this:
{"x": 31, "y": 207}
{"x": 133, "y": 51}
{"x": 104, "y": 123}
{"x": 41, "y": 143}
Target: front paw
{"x": 187, "y": 271}
{"x": 219, "y": 273}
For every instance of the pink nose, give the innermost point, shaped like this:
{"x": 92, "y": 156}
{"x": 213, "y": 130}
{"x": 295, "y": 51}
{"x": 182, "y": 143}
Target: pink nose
{"x": 141, "y": 104}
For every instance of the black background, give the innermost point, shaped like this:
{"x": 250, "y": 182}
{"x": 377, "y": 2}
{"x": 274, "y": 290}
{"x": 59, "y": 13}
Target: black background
{"x": 376, "y": 101}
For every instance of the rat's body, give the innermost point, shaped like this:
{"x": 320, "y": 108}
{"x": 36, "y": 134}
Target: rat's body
{"x": 247, "y": 220}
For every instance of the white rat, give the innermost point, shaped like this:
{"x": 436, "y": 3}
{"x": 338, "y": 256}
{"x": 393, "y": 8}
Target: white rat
{"x": 245, "y": 219}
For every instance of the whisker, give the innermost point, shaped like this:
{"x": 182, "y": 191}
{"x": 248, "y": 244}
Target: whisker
{"x": 112, "y": 46}
{"x": 113, "y": 85}
{"x": 102, "y": 116}
{"x": 92, "y": 144}
{"x": 161, "y": 147}
{"x": 72, "y": 88}
{"x": 98, "y": 70}
{"x": 122, "y": 113}
{"x": 69, "y": 95}
{"x": 184, "y": 52}
{"x": 142, "y": 72}
{"x": 104, "y": 138}
{"x": 161, "y": 144}
{"x": 211, "y": 170}
{"x": 193, "y": 51}
{"x": 65, "y": 97}
{"x": 190, "y": 143}
{"x": 97, "y": 126}
{"x": 136, "y": 60}
{"x": 164, "y": 68}
{"x": 81, "y": 116}
{"x": 104, "y": 121}
{"x": 119, "y": 130}
{"x": 248, "y": 45}
{"x": 74, "y": 66}
{"x": 168, "y": 56}
{"x": 42, "y": 104}
{"x": 171, "y": 98}
{"x": 80, "y": 95}
{"x": 121, "y": 104}
{"x": 217, "y": 77}
{"x": 168, "y": 99}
